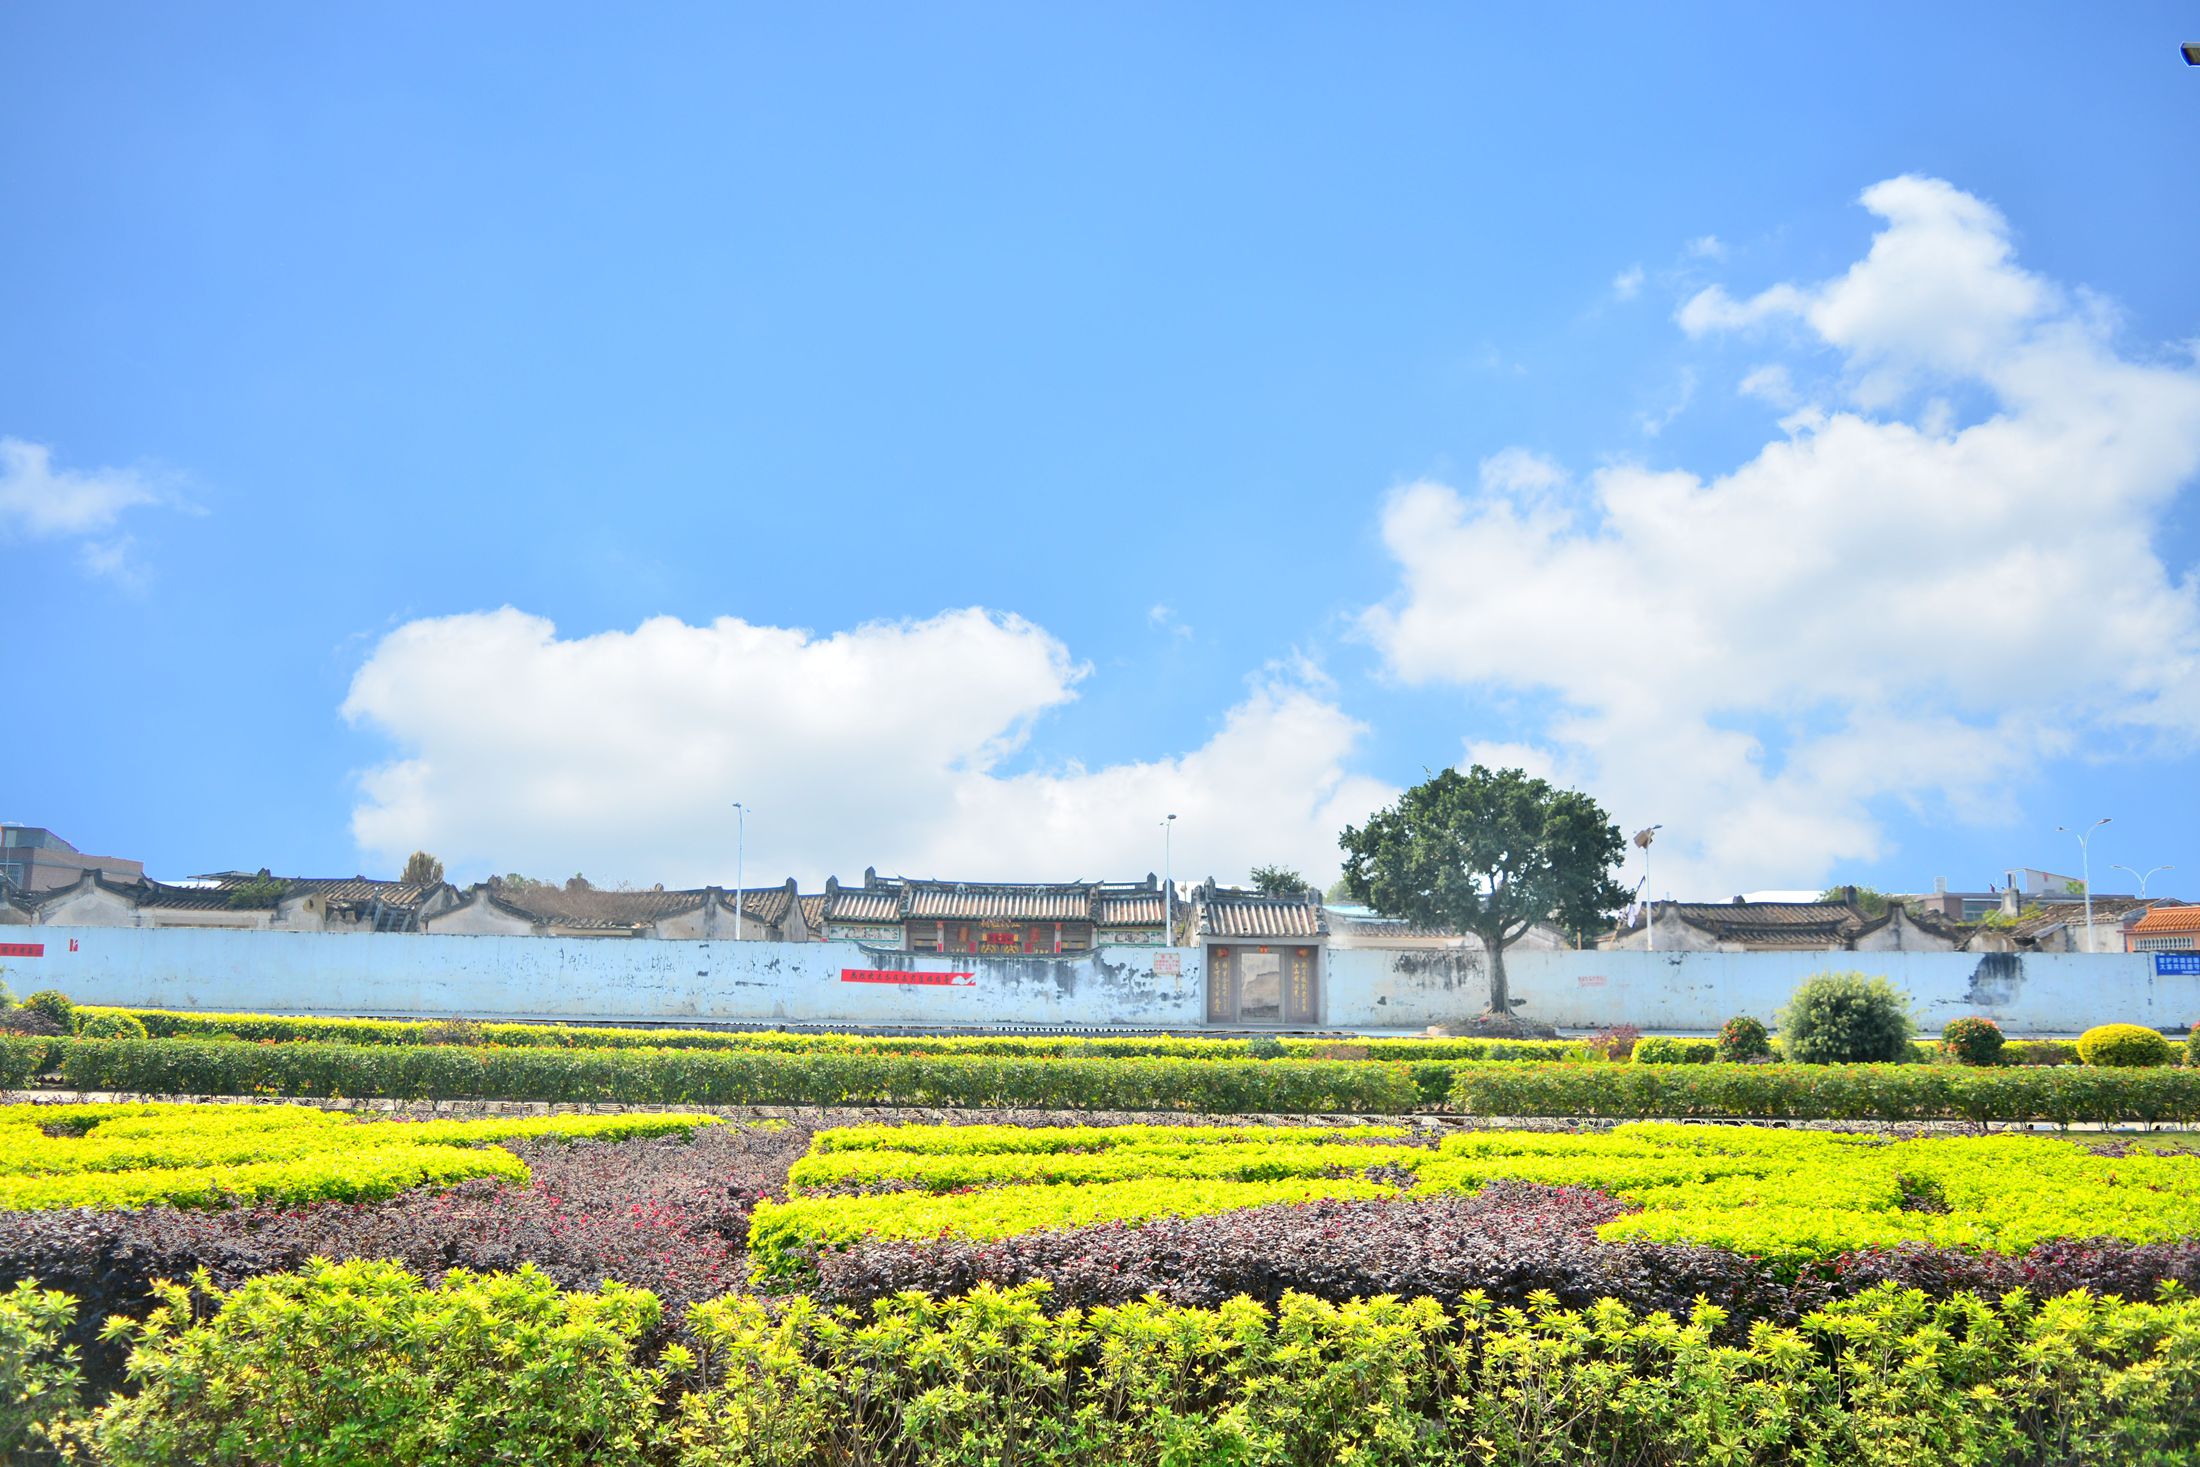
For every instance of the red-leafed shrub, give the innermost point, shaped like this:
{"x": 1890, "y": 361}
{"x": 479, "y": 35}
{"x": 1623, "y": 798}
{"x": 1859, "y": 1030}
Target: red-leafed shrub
{"x": 1972, "y": 1041}
{"x": 1742, "y": 1039}
{"x": 1616, "y": 1043}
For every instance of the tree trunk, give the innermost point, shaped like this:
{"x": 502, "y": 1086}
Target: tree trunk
{"x": 1500, "y": 989}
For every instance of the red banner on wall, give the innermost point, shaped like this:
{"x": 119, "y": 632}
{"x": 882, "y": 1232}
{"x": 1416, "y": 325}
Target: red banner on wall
{"x": 22, "y": 949}
{"x": 897, "y": 975}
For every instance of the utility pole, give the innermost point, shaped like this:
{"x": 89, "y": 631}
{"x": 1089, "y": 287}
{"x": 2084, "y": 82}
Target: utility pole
{"x": 740, "y": 852}
{"x": 2085, "y": 870}
{"x": 1168, "y": 882}
{"x": 1643, "y": 837}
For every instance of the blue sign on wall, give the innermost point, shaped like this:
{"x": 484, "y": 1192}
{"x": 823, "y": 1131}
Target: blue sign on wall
{"x": 2177, "y": 963}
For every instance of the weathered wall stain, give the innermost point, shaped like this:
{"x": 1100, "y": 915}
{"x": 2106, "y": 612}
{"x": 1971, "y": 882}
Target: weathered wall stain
{"x": 1996, "y": 979}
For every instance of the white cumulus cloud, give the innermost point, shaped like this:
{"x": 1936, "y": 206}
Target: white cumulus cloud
{"x": 41, "y": 502}
{"x": 620, "y": 753}
{"x": 1881, "y": 605}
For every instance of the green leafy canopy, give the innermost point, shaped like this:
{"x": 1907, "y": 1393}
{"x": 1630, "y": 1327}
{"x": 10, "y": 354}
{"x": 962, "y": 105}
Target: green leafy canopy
{"x": 1489, "y": 852}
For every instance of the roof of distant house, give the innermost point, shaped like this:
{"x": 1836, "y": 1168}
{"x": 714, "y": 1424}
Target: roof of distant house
{"x": 2167, "y": 918}
{"x": 611, "y": 909}
{"x": 2036, "y": 921}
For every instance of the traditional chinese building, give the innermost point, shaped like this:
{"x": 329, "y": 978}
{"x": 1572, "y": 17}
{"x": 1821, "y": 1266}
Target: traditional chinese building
{"x": 992, "y": 917}
{"x": 1264, "y": 954}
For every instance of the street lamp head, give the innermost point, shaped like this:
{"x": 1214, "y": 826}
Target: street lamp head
{"x": 2192, "y": 53}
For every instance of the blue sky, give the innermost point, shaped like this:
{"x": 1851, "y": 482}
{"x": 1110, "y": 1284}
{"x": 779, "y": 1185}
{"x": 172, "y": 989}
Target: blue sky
{"x": 1289, "y": 389}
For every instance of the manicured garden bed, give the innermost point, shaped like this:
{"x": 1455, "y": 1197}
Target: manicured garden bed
{"x": 673, "y": 1291}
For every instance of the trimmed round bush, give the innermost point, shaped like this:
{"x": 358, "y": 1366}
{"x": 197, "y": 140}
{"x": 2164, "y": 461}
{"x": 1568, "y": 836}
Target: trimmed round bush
{"x": 55, "y": 1005}
{"x": 111, "y": 1026}
{"x": 1847, "y": 1019}
{"x": 1742, "y": 1039}
{"x": 2125, "y": 1046}
{"x": 1972, "y": 1041}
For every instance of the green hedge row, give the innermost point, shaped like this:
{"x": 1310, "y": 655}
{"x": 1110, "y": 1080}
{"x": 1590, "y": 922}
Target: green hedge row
{"x": 2059, "y": 1094}
{"x": 328, "y": 1366}
{"x": 293, "y": 1029}
{"x": 704, "y": 1077}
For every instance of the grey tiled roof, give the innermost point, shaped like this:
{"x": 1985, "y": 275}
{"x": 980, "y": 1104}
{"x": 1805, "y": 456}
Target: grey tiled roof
{"x": 1232, "y": 913}
{"x": 895, "y": 899}
{"x": 928, "y": 902}
{"x": 1143, "y": 909}
{"x": 860, "y": 905}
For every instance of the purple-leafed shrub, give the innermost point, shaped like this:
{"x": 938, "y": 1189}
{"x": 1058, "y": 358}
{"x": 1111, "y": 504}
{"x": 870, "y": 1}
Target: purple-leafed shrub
{"x": 1616, "y": 1043}
{"x": 1510, "y": 1240}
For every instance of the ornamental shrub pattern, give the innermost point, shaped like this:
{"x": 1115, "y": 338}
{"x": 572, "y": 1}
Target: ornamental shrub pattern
{"x": 127, "y": 1156}
{"x": 1792, "y": 1198}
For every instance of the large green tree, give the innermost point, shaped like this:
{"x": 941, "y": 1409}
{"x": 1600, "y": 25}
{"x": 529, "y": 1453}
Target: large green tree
{"x": 1491, "y": 852}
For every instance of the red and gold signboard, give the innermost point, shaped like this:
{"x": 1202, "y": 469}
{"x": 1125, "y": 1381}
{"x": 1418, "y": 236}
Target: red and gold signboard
{"x": 898, "y": 975}
{"x": 22, "y": 949}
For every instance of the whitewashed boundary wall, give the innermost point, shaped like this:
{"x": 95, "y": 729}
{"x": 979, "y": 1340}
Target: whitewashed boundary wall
{"x": 2040, "y": 993}
{"x": 641, "y": 980}
{"x": 616, "y": 980}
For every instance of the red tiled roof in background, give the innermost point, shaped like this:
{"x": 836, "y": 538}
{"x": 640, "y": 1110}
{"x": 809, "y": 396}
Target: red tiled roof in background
{"x": 2164, "y": 920}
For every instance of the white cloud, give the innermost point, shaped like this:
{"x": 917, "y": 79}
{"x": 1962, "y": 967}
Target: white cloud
{"x": 114, "y": 560}
{"x": 1875, "y": 607}
{"x": 1684, "y": 393}
{"x": 1162, "y": 618}
{"x": 620, "y": 753}
{"x": 1705, "y": 247}
{"x": 1521, "y": 473}
{"x": 1628, "y": 283}
{"x": 39, "y": 501}
{"x": 1771, "y": 383}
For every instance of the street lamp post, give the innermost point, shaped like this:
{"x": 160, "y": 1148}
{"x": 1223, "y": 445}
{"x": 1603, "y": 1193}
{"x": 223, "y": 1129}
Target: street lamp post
{"x": 2085, "y": 870}
{"x": 740, "y": 853}
{"x": 2143, "y": 876}
{"x": 1168, "y": 882}
{"x": 1643, "y": 837}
